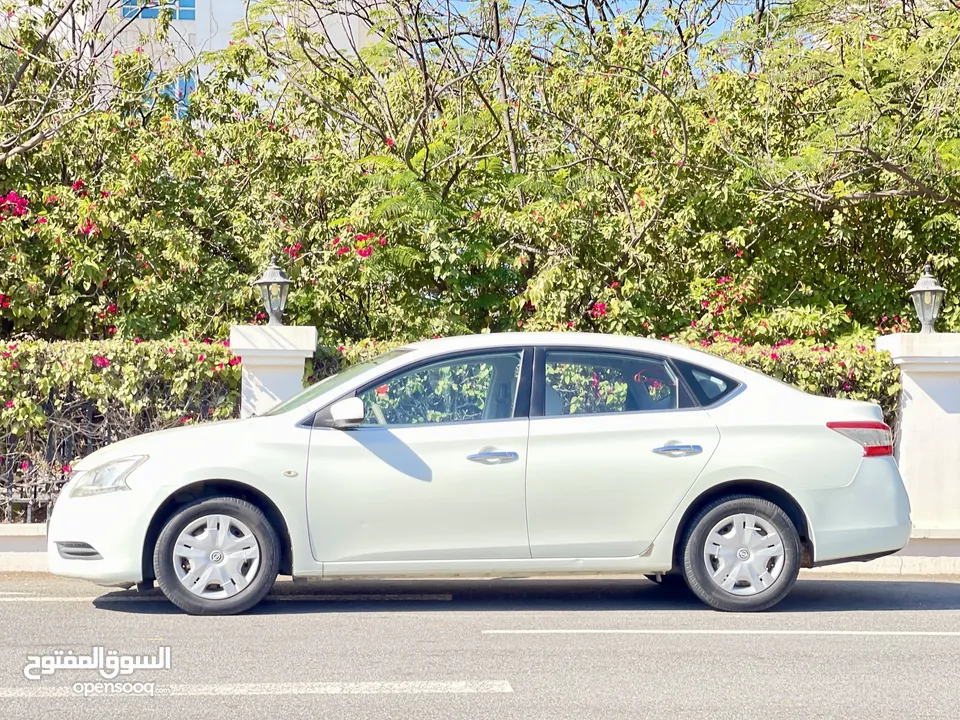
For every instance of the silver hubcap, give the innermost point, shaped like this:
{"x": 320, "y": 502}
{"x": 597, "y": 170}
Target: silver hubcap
{"x": 216, "y": 556}
{"x": 743, "y": 554}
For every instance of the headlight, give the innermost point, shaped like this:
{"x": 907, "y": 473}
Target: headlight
{"x": 106, "y": 478}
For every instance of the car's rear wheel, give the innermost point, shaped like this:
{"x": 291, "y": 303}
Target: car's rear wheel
{"x": 217, "y": 556}
{"x": 741, "y": 554}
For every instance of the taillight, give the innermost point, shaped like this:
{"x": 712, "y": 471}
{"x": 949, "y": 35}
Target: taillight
{"x": 874, "y": 437}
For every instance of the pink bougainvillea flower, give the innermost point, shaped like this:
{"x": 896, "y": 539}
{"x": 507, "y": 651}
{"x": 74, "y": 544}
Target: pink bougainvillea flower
{"x": 599, "y": 309}
{"x": 67, "y": 469}
{"x": 41, "y": 221}
{"x": 10, "y": 403}
{"x": 343, "y": 250}
{"x": 78, "y": 185}
{"x": 390, "y": 142}
{"x": 100, "y": 361}
{"x": 89, "y": 227}
{"x": 235, "y": 360}
{"x": 25, "y": 465}
{"x": 201, "y": 358}
{"x": 112, "y": 329}
{"x": 364, "y": 251}
{"x": 112, "y": 309}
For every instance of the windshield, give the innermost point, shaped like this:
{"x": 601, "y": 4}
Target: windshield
{"x": 333, "y": 381}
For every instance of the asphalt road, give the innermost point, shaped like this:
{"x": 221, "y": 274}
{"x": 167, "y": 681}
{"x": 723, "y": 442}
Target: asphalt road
{"x": 584, "y": 649}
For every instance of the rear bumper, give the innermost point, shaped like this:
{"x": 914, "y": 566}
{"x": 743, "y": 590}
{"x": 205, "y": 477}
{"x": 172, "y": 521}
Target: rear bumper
{"x": 867, "y": 519}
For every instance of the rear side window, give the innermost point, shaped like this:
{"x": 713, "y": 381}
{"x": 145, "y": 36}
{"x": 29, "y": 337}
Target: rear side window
{"x": 708, "y": 386}
{"x": 585, "y": 382}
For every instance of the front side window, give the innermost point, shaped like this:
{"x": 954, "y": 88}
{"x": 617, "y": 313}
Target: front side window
{"x": 331, "y": 382}
{"x": 581, "y": 382}
{"x": 464, "y": 389}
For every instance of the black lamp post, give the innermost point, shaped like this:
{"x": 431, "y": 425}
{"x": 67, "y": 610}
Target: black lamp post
{"x": 274, "y": 288}
{"x": 927, "y": 298}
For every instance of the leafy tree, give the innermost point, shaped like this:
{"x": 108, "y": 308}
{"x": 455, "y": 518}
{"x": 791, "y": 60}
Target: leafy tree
{"x": 653, "y": 169}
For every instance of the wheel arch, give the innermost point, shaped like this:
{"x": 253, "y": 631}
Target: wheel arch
{"x": 757, "y": 488}
{"x": 215, "y": 488}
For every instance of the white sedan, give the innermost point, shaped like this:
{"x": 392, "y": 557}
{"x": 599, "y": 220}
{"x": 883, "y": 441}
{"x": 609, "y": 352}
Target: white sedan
{"x": 497, "y": 455}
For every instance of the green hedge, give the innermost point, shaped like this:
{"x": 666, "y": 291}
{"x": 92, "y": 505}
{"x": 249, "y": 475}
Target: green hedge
{"x": 60, "y": 401}
{"x": 850, "y": 369}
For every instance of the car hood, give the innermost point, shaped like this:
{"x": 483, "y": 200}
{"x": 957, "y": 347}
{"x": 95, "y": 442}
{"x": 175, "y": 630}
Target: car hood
{"x": 180, "y": 440}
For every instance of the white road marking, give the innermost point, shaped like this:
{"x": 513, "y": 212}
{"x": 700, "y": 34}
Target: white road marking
{"x": 396, "y": 597}
{"x": 452, "y": 687}
{"x": 48, "y": 599}
{"x": 350, "y": 688}
{"x": 11, "y": 592}
{"x": 823, "y": 633}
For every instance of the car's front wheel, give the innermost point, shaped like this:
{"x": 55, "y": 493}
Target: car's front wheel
{"x": 217, "y": 556}
{"x": 742, "y": 554}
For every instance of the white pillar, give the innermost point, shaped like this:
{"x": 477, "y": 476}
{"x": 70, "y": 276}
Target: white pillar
{"x": 272, "y": 363}
{"x": 928, "y": 446}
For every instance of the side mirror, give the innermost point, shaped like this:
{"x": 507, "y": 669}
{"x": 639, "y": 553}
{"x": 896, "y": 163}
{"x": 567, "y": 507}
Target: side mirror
{"x": 343, "y": 413}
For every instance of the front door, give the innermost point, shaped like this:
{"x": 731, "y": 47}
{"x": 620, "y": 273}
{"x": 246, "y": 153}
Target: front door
{"x": 618, "y": 444}
{"x": 434, "y": 473}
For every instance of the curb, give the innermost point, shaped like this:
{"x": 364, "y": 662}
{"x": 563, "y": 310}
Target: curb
{"x": 23, "y": 547}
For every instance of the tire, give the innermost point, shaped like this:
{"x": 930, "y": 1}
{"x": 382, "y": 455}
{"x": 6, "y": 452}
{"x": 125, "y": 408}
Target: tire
{"x": 223, "y": 542}
{"x": 753, "y": 570}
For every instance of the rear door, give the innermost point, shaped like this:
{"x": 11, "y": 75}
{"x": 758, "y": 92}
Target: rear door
{"x": 616, "y": 440}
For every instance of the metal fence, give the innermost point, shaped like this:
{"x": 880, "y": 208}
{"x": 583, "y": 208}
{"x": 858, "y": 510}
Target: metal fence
{"x": 36, "y": 464}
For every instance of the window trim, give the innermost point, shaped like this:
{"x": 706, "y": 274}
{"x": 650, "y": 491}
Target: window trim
{"x": 538, "y": 400}
{"x": 736, "y": 386}
{"x": 521, "y": 406}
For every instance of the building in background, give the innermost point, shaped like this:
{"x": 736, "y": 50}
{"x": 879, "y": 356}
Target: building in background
{"x": 203, "y": 25}
{"x": 199, "y": 26}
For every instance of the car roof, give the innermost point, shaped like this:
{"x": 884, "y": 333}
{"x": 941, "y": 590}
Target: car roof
{"x": 600, "y": 341}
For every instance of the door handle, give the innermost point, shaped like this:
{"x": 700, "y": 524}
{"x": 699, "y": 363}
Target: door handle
{"x": 678, "y": 450}
{"x": 490, "y": 457}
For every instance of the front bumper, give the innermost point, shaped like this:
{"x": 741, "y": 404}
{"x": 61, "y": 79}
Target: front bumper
{"x": 113, "y": 525}
{"x": 866, "y": 519}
